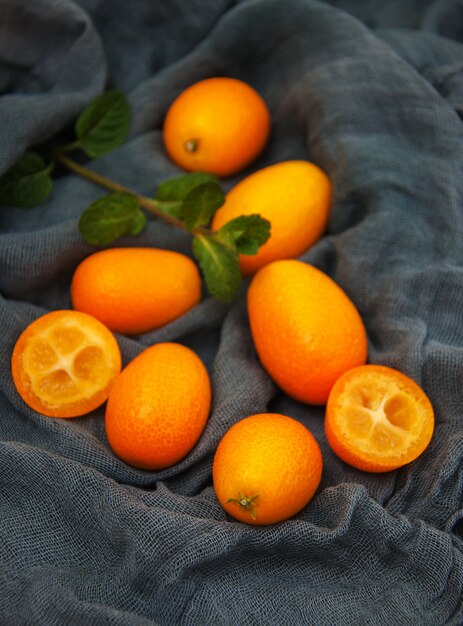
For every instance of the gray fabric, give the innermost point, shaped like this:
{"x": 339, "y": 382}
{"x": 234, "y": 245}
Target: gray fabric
{"x": 372, "y": 94}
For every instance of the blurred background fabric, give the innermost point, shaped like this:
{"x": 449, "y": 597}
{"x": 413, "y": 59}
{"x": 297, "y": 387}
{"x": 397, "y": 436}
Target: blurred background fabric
{"x": 371, "y": 92}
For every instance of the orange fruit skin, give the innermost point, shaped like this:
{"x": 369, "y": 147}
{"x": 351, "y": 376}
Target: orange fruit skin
{"x": 158, "y": 407}
{"x": 354, "y": 385}
{"x": 228, "y": 120}
{"x": 306, "y": 330}
{"x": 273, "y": 457}
{"x": 135, "y": 290}
{"x": 295, "y": 196}
{"x": 108, "y": 364}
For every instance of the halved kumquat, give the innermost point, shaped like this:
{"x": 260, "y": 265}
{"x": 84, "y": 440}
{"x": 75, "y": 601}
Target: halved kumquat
{"x": 64, "y": 363}
{"x": 378, "y": 419}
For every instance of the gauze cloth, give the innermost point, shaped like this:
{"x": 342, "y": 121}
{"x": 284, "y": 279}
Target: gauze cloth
{"x": 373, "y": 94}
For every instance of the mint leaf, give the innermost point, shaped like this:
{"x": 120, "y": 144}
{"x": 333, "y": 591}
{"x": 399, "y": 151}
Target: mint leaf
{"x": 27, "y": 183}
{"x": 138, "y": 223}
{"x": 247, "y": 232}
{"x": 174, "y": 207}
{"x": 175, "y": 189}
{"x": 103, "y": 125}
{"x": 110, "y": 217}
{"x": 219, "y": 265}
{"x": 192, "y": 198}
{"x": 200, "y": 204}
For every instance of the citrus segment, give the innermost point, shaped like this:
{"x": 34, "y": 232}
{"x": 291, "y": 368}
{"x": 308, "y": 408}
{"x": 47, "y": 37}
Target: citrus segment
{"x": 67, "y": 339}
{"x": 378, "y": 419}
{"x": 39, "y": 355}
{"x": 266, "y": 468}
{"x": 64, "y": 363}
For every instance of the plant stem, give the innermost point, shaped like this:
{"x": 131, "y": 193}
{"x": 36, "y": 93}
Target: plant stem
{"x": 145, "y": 202}
{"x": 70, "y": 146}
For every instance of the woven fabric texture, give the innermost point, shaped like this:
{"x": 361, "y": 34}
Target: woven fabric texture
{"x": 373, "y": 95}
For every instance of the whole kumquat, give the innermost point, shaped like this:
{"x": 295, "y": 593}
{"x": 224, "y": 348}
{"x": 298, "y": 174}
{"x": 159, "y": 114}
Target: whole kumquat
{"x": 266, "y": 468}
{"x": 295, "y": 196}
{"x": 135, "y": 290}
{"x": 218, "y": 125}
{"x": 158, "y": 406}
{"x": 306, "y": 330}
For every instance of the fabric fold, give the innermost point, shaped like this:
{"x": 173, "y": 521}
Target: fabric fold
{"x": 374, "y": 97}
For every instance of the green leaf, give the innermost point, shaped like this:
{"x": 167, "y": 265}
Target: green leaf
{"x": 192, "y": 198}
{"x": 110, "y": 217}
{"x": 219, "y": 265}
{"x": 247, "y": 232}
{"x": 138, "y": 223}
{"x": 176, "y": 189}
{"x": 27, "y": 183}
{"x": 103, "y": 125}
{"x": 174, "y": 207}
{"x": 200, "y": 204}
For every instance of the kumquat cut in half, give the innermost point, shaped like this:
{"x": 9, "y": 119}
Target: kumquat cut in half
{"x": 378, "y": 419}
{"x": 64, "y": 364}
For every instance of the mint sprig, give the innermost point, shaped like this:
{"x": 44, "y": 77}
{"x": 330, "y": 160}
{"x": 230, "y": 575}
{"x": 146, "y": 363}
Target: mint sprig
{"x": 192, "y": 198}
{"x": 188, "y": 201}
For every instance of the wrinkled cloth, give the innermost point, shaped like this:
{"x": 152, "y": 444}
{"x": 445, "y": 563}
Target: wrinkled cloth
{"x": 372, "y": 93}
